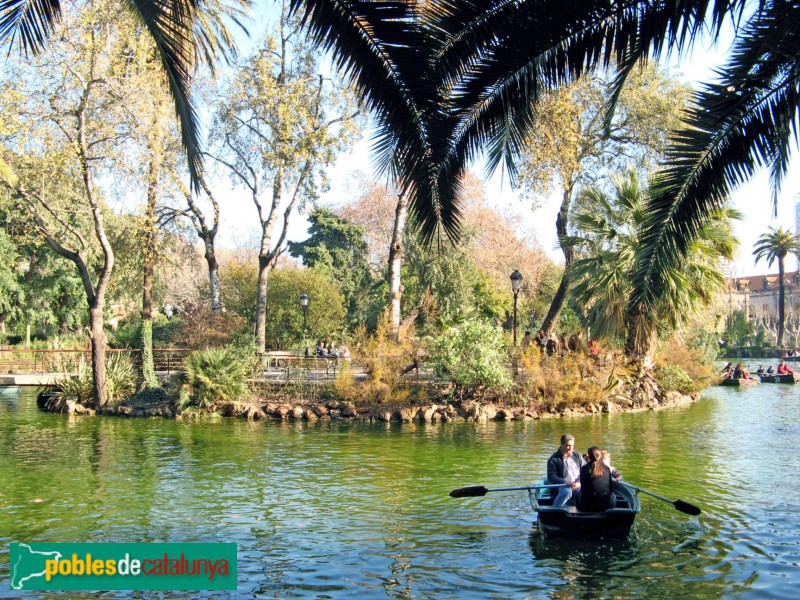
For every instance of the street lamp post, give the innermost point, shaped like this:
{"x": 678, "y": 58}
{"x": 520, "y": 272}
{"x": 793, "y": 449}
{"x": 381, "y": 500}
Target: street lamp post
{"x": 516, "y": 282}
{"x": 304, "y": 304}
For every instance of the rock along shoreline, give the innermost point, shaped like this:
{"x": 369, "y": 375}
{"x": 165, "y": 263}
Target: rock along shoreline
{"x": 458, "y": 411}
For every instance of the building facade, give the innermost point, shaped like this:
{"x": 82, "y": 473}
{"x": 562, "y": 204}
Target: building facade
{"x": 758, "y": 295}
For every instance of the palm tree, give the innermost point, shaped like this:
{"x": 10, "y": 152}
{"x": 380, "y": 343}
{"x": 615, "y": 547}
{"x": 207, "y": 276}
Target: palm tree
{"x": 608, "y": 240}
{"x": 777, "y": 244}
{"x": 451, "y": 79}
{"x": 185, "y": 33}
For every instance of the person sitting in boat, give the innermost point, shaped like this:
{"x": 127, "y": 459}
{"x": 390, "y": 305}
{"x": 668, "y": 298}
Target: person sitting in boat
{"x": 615, "y": 475}
{"x": 727, "y": 370}
{"x": 770, "y": 370}
{"x": 597, "y": 487}
{"x": 760, "y": 370}
{"x": 783, "y": 369}
{"x": 740, "y": 372}
{"x": 564, "y": 467}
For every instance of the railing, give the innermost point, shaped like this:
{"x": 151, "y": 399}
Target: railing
{"x": 32, "y": 361}
{"x": 288, "y": 367}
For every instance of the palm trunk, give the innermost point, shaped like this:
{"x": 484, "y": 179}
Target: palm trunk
{"x": 641, "y": 337}
{"x": 781, "y": 296}
{"x": 560, "y": 297}
{"x": 395, "y": 264}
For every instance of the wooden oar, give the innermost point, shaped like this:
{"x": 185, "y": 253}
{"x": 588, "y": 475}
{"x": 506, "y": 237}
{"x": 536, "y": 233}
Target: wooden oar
{"x": 684, "y": 507}
{"x": 479, "y": 490}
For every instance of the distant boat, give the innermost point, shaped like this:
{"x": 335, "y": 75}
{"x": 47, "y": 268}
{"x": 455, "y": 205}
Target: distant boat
{"x": 785, "y": 378}
{"x": 730, "y": 381}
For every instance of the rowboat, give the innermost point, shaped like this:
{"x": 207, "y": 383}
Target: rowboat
{"x": 568, "y": 521}
{"x": 737, "y": 382}
{"x": 785, "y": 378}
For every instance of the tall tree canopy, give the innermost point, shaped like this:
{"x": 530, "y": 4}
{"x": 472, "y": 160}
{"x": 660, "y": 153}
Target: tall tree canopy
{"x": 185, "y": 33}
{"x": 338, "y": 248}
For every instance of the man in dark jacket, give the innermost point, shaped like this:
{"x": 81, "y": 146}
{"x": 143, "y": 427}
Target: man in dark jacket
{"x": 564, "y": 467}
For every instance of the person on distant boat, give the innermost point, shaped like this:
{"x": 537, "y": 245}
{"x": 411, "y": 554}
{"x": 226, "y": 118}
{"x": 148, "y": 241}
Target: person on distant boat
{"x": 597, "y": 484}
{"x": 727, "y": 371}
{"x": 615, "y": 475}
{"x": 564, "y": 467}
{"x": 760, "y": 370}
{"x": 770, "y": 370}
{"x": 783, "y": 369}
{"x": 740, "y": 372}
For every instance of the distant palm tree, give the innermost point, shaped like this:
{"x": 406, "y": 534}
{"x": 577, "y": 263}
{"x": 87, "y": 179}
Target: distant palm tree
{"x": 777, "y": 244}
{"x": 185, "y": 33}
{"x": 608, "y": 240}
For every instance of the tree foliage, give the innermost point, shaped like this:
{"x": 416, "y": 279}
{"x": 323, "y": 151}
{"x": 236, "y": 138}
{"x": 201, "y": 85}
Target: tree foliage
{"x": 609, "y": 242}
{"x": 473, "y": 355}
{"x": 337, "y": 248}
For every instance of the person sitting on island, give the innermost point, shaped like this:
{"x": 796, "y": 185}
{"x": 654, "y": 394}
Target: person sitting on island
{"x": 615, "y": 475}
{"x": 344, "y": 353}
{"x": 783, "y": 369}
{"x": 770, "y": 370}
{"x": 527, "y": 340}
{"x": 594, "y": 347}
{"x": 740, "y": 372}
{"x": 760, "y": 370}
{"x": 321, "y": 351}
{"x": 597, "y": 484}
{"x": 564, "y": 467}
{"x": 541, "y": 339}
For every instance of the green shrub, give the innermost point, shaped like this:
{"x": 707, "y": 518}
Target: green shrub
{"x": 472, "y": 355}
{"x": 120, "y": 377}
{"x": 673, "y": 378}
{"x": 213, "y": 376}
{"x": 120, "y": 382}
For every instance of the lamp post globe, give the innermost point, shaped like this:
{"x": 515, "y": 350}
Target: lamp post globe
{"x": 304, "y": 305}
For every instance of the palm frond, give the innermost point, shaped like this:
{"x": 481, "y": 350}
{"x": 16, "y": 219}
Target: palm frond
{"x": 28, "y": 23}
{"x": 737, "y": 126}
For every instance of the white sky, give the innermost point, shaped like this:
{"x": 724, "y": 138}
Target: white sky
{"x": 240, "y": 225}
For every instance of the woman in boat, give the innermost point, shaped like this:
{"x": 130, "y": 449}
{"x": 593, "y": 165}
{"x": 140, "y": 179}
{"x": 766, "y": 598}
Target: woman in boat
{"x": 597, "y": 485}
{"x": 727, "y": 371}
{"x": 740, "y": 372}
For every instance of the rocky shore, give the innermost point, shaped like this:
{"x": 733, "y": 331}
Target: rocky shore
{"x": 459, "y": 411}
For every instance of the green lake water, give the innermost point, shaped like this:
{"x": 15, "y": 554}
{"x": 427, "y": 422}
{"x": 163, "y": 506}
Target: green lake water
{"x": 343, "y": 510}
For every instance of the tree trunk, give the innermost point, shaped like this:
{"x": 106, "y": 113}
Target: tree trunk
{"x": 640, "y": 341}
{"x": 213, "y": 274}
{"x": 98, "y": 345}
{"x": 395, "y": 263}
{"x": 261, "y": 304}
{"x": 781, "y": 298}
{"x": 560, "y": 298}
{"x": 148, "y": 372}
